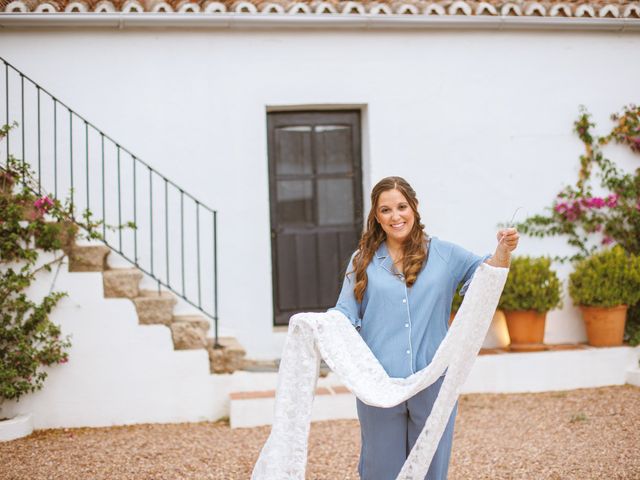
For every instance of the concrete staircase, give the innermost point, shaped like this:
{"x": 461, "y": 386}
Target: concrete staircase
{"x": 154, "y": 307}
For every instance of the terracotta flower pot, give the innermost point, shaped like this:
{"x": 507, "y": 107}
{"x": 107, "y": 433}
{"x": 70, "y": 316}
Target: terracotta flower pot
{"x": 605, "y": 326}
{"x": 526, "y": 330}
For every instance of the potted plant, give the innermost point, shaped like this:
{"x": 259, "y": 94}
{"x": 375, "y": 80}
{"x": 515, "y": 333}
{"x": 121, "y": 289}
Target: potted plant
{"x": 496, "y": 334}
{"x": 603, "y": 285}
{"x": 532, "y": 289}
{"x": 455, "y": 305}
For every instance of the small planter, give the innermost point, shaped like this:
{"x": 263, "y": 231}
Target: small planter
{"x": 16, "y": 427}
{"x": 532, "y": 289}
{"x": 496, "y": 336}
{"x": 605, "y": 326}
{"x": 602, "y": 285}
{"x": 526, "y": 330}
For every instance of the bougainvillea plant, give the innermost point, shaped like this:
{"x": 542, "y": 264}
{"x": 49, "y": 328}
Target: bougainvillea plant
{"x": 30, "y": 223}
{"x": 591, "y": 221}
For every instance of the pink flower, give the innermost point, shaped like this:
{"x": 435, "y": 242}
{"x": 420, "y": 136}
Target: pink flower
{"x": 560, "y": 207}
{"x": 612, "y": 200}
{"x": 607, "y": 240}
{"x": 43, "y": 203}
{"x": 595, "y": 202}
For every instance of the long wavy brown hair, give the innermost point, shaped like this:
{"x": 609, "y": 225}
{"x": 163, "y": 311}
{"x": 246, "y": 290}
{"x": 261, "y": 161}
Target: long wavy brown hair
{"x": 413, "y": 249}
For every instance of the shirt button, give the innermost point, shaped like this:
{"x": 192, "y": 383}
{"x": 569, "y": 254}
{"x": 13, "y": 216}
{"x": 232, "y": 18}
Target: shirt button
{"x": 404, "y": 300}
{"x": 408, "y": 352}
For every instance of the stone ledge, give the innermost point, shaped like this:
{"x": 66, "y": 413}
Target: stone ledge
{"x": 633, "y": 376}
{"x": 17, "y": 427}
{"x": 228, "y": 358}
{"x": 328, "y": 390}
{"x": 189, "y": 332}
{"x": 262, "y": 366}
{"x": 544, "y": 348}
{"x": 155, "y": 307}
{"x": 196, "y": 321}
{"x": 90, "y": 258}
{"x": 251, "y": 409}
{"x": 121, "y": 282}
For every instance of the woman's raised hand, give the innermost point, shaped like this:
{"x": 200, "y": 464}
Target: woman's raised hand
{"x": 508, "y": 239}
{"x": 507, "y": 243}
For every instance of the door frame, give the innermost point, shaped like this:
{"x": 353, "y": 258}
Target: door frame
{"x": 359, "y": 170}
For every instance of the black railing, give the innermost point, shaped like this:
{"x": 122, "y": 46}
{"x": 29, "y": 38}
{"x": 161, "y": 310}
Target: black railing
{"x": 169, "y": 226}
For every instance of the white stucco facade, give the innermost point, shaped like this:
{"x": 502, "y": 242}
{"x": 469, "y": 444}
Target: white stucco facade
{"x": 120, "y": 372}
{"x": 479, "y": 122}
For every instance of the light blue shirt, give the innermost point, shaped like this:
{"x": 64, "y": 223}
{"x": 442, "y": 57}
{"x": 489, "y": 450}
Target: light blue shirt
{"x": 403, "y": 326}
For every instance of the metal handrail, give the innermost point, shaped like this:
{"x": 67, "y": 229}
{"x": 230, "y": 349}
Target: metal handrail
{"x": 173, "y": 197}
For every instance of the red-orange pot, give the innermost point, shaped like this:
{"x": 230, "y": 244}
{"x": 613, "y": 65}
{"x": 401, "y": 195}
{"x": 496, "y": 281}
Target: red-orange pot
{"x": 605, "y": 326}
{"x": 526, "y": 330}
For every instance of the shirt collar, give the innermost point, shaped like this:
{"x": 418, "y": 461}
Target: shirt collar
{"x": 382, "y": 252}
{"x": 384, "y": 259}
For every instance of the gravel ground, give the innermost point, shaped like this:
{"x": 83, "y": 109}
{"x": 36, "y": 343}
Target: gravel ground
{"x": 580, "y": 434}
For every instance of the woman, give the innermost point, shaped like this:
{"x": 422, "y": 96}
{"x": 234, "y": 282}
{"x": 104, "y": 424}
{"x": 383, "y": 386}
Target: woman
{"x": 398, "y": 294}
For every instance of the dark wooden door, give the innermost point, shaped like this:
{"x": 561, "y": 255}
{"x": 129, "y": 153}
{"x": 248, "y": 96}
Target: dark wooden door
{"x": 315, "y": 178}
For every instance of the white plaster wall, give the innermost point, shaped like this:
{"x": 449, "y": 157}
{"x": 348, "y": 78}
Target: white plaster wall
{"x": 120, "y": 372}
{"x": 479, "y": 122}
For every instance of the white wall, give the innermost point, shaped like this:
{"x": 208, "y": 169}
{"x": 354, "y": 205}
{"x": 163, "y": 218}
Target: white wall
{"x": 479, "y": 122}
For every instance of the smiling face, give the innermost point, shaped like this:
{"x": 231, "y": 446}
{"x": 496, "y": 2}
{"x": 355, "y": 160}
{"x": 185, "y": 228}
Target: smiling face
{"x": 395, "y": 215}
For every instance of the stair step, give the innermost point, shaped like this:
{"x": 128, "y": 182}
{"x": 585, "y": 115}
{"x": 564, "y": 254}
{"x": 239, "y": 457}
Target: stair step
{"x": 196, "y": 320}
{"x": 88, "y": 258}
{"x": 228, "y": 358}
{"x": 266, "y": 366}
{"x": 253, "y": 409}
{"x": 121, "y": 282}
{"x": 189, "y": 332}
{"x": 155, "y": 307}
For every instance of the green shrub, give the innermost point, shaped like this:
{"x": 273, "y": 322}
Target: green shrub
{"x": 29, "y": 223}
{"x": 32, "y": 222}
{"x": 457, "y": 300}
{"x": 606, "y": 279}
{"x": 531, "y": 285}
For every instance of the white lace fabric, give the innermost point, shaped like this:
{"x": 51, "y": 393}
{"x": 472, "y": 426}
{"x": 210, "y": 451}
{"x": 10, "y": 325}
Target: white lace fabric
{"x": 331, "y": 336}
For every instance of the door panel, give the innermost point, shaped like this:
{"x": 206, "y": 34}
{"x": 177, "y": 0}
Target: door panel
{"x": 295, "y": 202}
{"x": 293, "y": 147}
{"x": 332, "y": 148}
{"x": 335, "y": 201}
{"x": 316, "y": 206}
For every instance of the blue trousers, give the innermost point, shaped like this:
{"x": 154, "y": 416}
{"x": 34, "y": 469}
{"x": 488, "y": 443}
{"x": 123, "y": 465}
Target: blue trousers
{"x": 388, "y": 434}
